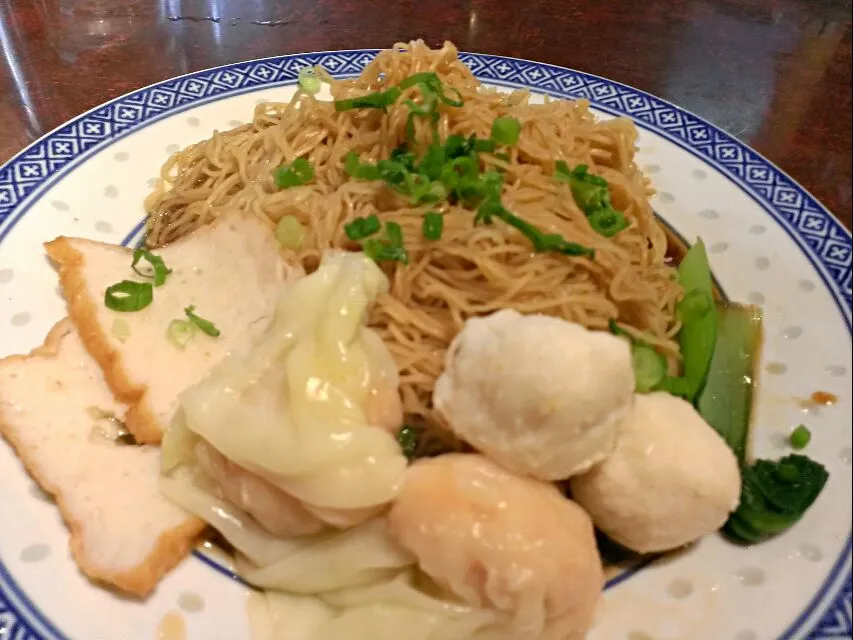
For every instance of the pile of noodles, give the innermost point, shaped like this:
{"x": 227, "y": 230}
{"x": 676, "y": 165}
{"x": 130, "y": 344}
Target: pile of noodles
{"x": 472, "y": 269}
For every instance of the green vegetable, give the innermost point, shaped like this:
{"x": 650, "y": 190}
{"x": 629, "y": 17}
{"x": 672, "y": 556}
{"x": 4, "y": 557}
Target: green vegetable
{"x": 205, "y": 325}
{"x": 649, "y": 367}
{"x": 429, "y": 81}
{"x": 774, "y": 496}
{"x": 289, "y": 232}
{"x": 390, "y": 249}
{"x": 308, "y": 80}
{"x": 492, "y": 207}
{"x": 379, "y": 100}
{"x": 726, "y": 400}
{"x": 161, "y": 271}
{"x": 433, "y": 225}
{"x": 180, "y": 332}
{"x": 695, "y": 305}
{"x": 592, "y": 195}
{"x": 506, "y": 131}
{"x": 408, "y": 438}
{"x": 607, "y": 222}
{"x": 360, "y": 170}
{"x": 361, "y": 228}
{"x": 128, "y": 295}
{"x": 800, "y": 437}
{"x": 298, "y": 173}
{"x": 698, "y": 335}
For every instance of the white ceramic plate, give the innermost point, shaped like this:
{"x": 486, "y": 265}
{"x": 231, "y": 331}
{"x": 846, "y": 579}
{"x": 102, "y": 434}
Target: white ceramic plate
{"x": 770, "y": 243}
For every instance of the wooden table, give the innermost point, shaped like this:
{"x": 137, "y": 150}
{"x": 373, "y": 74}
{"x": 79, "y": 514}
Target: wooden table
{"x": 776, "y": 73}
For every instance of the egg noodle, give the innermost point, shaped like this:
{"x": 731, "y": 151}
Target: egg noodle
{"x": 472, "y": 269}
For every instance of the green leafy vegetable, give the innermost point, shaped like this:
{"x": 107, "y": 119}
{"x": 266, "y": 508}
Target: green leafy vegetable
{"x": 800, "y": 437}
{"x": 592, "y": 195}
{"x": 180, "y": 332}
{"x": 127, "y": 296}
{"x": 698, "y": 335}
{"x": 726, "y": 399}
{"x": 378, "y": 100}
{"x": 361, "y": 228}
{"x": 774, "y": 496}
{"x": 408, "y": 438}
{"x": 506, "y": 131}
{"x": 206, "y": 326}
{"x": 160, "y": 270}
{"x": 300, "y": 172}
{"x": 360, "y": 170}
{"x": 433, "y": 225}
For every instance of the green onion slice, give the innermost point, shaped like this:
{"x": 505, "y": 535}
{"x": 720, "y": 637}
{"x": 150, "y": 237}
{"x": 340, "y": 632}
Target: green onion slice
{"x": 300, "y": 172}
{"x": 506, "y": 131}
{"x": 308, "y": 80}
{"x": 289, "y": 232}
{"x": 205, "y": 325}
{"x": 361, "y": 228}
{"x": 180, "y": 332}
{"x": 127, "y": 296}
{"x": 379, "y": 100}
{"x": 160, "y": 270}
{"x": 433, "y": 225}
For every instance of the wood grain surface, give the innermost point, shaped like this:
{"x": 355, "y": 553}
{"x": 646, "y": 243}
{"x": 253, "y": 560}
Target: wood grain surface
{"x": 775, "y": 73}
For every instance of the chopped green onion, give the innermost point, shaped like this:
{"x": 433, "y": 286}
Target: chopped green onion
{"x": 180, "y": 332}
{"x": 308, "y": 80}
{"x": 433, "y": 225}
{"x": 161, "y": 271}
{"x": 289, "y": 232}
{"x": 300, "y": 172}
{"x": 592, "y": 195}
{"x": 800, "y": 437}
{"x": 120, "y": 330}
{"x": 205, "y": 325}
{"x": 427, "y": 78}
{"x": 379, "y": 100}
{"x": 391, "y": 249}
{"x": 360, "y": 170}
{"x": 607, "y": 222}
{"x": 492, "y": 207}
{"x": 127, "y": 295}
{"x": 360, "y": 228}
{"x": 506, "y": 131}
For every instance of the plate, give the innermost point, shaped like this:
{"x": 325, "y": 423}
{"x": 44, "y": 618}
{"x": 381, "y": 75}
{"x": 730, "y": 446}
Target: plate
{"x": 770, "y": 243}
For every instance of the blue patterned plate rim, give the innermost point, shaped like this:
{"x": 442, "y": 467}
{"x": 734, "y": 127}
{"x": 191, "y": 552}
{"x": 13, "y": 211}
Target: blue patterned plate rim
{"x": 42, "y": 163}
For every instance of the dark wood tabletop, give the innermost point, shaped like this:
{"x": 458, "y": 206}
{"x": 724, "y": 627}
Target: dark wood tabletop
{"x": 775, "y": 73}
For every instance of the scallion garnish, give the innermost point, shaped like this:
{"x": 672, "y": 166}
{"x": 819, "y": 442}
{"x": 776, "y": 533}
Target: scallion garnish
{"x": 800, "y": 437}
{"x": 506, "y": 131}
{"x": 299, "y": 172}
{"x": 433, "y": 225}
{"x": 180, "y": 332}
{"x": 289, "y": 232}
{"x": 361, "y": 228}
{"x": 206, "y": 326}
{"x": 378, "y": 100}
{"x": 127, "y": 296}
{"x": 542, "y": 242}
{"x": 389, "y": 249}
{"x": 160, "y": 270}
{"x": 592, "y": 195}
{"x": 308, "y": 80}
